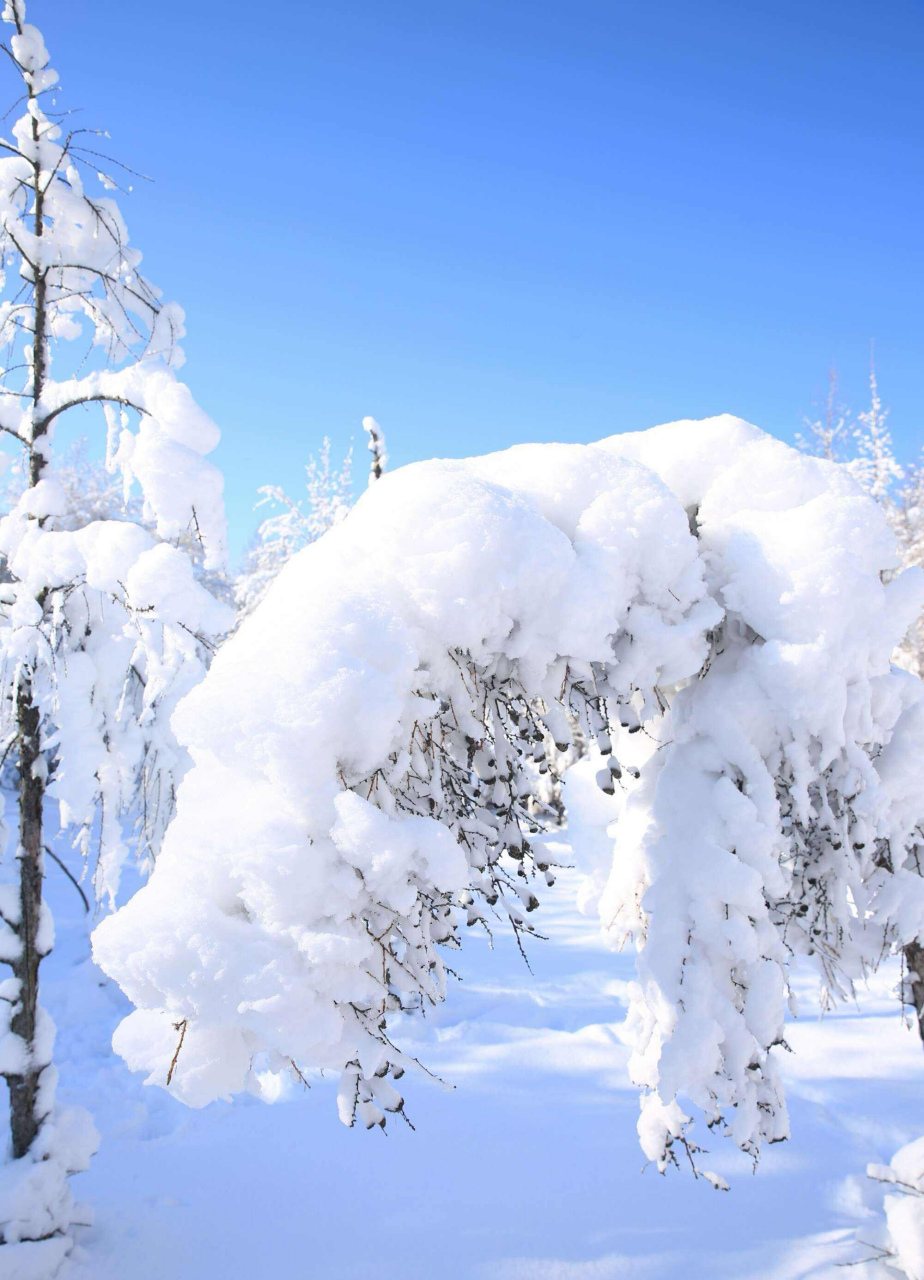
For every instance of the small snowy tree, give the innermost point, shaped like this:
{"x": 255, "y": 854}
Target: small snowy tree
{"x": 295, "y": 524}
{"x": 369, "y": 752}
{"x": 103, "y": 626}
{"x": 874, "y": 463}
{"x": 827, "y": 435}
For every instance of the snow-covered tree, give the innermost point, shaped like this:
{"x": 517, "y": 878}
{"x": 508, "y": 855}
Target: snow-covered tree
{"x": 875, "y": 464}
{"x": 295, "y": 524}
{"x": 103, "y": 625}
{"x": 895, "y": 1246}
{"x": 829, "y": 434}
{"x": 369, "y": 751}
{"x": 864, "y": 446}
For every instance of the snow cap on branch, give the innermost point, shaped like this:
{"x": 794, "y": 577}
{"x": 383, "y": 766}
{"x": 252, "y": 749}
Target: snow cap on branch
{"x": 376, "y": 447}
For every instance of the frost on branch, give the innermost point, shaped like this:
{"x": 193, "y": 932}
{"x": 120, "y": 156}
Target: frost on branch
{"x": 368, "y": 750}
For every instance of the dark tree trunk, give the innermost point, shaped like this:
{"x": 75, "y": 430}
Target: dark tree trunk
{"x": 914, "y": 960}
{"x": 24, "y": 1118}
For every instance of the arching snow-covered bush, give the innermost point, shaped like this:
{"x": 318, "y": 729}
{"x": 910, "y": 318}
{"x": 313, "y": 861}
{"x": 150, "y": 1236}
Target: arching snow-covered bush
{"x": 368, "y": 745}
{"x": 368, "y": 754}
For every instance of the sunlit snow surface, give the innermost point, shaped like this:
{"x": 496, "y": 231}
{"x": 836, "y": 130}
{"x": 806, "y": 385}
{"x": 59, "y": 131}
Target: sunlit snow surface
{"x": 529, "y": 1170}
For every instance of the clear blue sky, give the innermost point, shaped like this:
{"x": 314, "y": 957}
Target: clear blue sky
{"x": 495, "y": 221}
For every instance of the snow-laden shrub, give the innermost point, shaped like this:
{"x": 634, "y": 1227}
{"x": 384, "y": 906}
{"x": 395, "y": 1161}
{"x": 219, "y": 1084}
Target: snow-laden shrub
{"x": 368, "y": 753}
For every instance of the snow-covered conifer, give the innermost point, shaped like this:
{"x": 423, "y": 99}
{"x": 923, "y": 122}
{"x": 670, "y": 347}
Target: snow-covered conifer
{"x": 295, "y": 524}
{"x": 103, "y": 626}
{"x": 369, "y": 752}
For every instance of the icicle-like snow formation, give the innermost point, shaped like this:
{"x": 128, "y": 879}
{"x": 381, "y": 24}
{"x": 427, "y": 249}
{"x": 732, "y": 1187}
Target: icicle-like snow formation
{"x": 368, "y": 752}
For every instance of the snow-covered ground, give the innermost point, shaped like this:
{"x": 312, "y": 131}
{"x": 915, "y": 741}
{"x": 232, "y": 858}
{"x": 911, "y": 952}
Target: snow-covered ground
{"x": 528, "y": 1169}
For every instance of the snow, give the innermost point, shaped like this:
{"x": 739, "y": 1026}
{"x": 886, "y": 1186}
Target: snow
{"x": 696, "y": 620}
{"x": 526, "y": 1168}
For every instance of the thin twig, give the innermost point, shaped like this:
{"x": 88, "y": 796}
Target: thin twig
{"x": 51, "y": 853}
{"x": 181, "y": 1027}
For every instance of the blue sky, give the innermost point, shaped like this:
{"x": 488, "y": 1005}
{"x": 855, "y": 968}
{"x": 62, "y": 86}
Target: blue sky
{"x": 491, "y": 222}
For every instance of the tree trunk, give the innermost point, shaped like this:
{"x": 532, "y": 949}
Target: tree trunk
{"x": 24, "y": 1119}
{"x": 24, "y": 1115}
{"x": 914, "y": 959}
